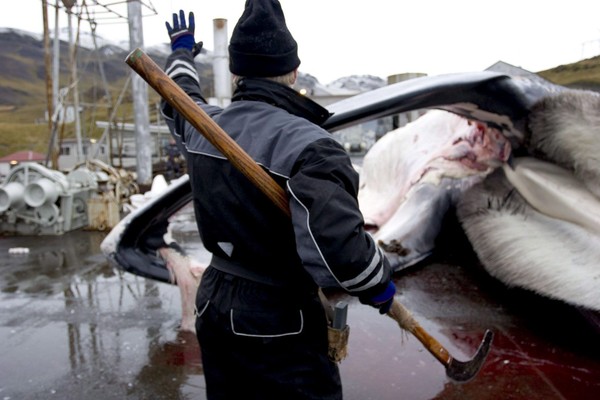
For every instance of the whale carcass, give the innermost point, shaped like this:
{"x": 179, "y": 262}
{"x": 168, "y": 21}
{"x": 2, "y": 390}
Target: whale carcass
{"x": 532, "y": 218}
{"x": 450, "y": 160}
{"x": 536, "y": 224}
{"x": 413, "y": 175}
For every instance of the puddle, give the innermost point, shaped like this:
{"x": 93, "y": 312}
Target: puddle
{"x": 73, "y": 327}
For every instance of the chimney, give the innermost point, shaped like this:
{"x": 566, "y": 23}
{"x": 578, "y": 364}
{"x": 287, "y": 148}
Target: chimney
{"x": 221, "y": 73}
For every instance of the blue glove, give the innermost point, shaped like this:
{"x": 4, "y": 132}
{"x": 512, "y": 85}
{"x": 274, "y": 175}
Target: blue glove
{"x": 383, "y": 301}
{"x": 182, "y": 35}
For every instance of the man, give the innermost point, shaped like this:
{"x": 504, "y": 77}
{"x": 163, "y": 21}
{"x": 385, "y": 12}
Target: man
{"x": 260, "y": 324}
{"x": 174, "y": 160}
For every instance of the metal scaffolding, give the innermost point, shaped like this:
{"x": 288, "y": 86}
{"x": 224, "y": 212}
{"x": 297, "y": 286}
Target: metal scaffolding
{"x": 108, "y": 12}
{"x": 96, "y": 12}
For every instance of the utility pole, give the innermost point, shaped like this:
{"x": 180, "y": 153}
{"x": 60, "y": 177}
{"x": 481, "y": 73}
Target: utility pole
{"x": 47, "y": 62}
{"x": 48, "y": 75}
{"x": 69, "y": 5}
{"x": 56, "y": 57}
{"x": 143, "y": 138}
{"x": 58, "y": 109}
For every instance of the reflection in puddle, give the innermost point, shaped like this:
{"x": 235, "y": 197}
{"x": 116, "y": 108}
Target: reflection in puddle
{"x": 73, "y": 326}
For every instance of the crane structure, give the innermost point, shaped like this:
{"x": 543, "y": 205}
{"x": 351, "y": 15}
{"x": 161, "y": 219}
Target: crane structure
{"x": 94, "y": 12}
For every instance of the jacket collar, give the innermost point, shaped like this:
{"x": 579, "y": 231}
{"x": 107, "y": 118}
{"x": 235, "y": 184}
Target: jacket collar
{"x": 278, "y": 95}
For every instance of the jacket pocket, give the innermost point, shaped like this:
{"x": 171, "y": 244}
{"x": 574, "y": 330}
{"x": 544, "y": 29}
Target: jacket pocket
{"x": 267, "y": 323}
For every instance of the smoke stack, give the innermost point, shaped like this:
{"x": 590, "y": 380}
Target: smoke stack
{"x": 221, "y": 73}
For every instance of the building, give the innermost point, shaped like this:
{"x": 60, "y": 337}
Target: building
{"x": 122, "y": 151}
{"x": 7, "y": 162}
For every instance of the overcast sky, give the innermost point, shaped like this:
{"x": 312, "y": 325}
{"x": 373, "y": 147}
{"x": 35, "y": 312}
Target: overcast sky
{"x": 337, "y": 38}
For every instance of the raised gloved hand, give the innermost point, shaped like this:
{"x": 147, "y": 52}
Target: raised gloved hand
{"x": 382, "y": 301}
{"x": 182, "y": 34}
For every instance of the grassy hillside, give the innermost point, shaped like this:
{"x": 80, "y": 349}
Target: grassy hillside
{"x": 584, "y": 74}
{"x": 23, "y": 89}
{"x": 23, "y": 125}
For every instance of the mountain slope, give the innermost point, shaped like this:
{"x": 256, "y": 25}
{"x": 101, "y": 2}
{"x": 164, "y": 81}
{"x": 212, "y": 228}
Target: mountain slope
{"x": 584, "y": 74}
{"x": 23, "y": 85}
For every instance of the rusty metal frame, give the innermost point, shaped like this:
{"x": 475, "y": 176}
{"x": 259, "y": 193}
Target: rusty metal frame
{"x": 107, "y": 12}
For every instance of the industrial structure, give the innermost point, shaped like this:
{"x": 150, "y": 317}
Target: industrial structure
{"x": 35, "y": 200}
{"x": 95, "y": 12}
{"x": 38, "y": 199}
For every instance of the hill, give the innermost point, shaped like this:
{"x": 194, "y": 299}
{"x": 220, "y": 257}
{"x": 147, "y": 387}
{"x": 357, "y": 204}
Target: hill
{"x": 584, "y": 74}
{"x": 23, "y": 85}
{"x": 23, "y": 88}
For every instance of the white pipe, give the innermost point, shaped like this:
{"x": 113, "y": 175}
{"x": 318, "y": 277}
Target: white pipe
{"x": 222, "y": 76}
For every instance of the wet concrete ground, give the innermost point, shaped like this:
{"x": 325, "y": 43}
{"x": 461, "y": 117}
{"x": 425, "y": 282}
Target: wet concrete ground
{"x": 74, "y": 327}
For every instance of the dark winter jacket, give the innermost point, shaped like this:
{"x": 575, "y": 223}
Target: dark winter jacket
{"x": 325, "y": 242}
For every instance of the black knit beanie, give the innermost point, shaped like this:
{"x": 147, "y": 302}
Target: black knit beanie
{"x": 261, "y": 44}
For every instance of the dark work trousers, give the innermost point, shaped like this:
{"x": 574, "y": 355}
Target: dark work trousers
{"x": 262, "y": 342}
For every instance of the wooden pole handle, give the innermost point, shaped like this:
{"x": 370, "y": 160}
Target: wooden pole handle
{"x": 193, "y": 113}
{"x": 407, "y": 322}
